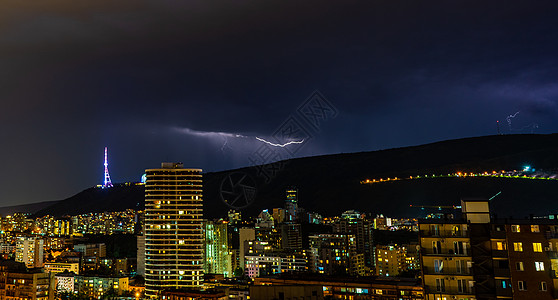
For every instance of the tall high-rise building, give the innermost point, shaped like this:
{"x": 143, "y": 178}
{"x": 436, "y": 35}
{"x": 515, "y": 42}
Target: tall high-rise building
{"x": 291, "y": 205}
{"x": 353, "y": 223}
{"x": 29, "y": 250}
{"x": 173, "y": 228}
{"x": 217, "y": 254}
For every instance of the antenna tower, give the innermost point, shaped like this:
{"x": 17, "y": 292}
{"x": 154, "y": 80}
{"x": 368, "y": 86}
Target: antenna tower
{"x": 498, "y": 125}
{"x": 107, "y": 183}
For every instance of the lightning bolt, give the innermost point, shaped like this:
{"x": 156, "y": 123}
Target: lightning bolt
{"x": 280, "y": 145}
{"x": 225, "y": 141}
{"x": 226, "y": 135}
{"x": 531, "y": 126}
{"x": 508, "y": 118}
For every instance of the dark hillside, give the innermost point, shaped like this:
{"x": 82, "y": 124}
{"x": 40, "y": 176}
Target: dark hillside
{"x": 330, "y": 184}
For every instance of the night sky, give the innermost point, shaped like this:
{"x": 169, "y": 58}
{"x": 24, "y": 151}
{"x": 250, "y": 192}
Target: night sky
{"x": 174, "y": 80}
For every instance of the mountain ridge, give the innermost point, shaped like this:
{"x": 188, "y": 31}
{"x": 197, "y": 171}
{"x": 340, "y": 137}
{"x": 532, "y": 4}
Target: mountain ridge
{"x": 327, "y": 180}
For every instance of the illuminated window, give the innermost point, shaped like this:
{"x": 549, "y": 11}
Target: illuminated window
{"x": 518, "y": 246}
{"x": 519, "y": 266}
{"x": 542, "y": 286}
{"x": 436, "y": 247}
{"x": 537, "y": 247}
{"x": 534, "y": 228}
{"x": 438, "y": 265}
{"x": 515, "y": 228}
{"x": 500, "y": 246}
{"x": 539, "y": 266}
{"x": 456, "y": 230}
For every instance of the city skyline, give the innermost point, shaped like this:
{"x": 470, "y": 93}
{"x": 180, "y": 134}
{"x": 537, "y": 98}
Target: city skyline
{"x": 284, "y": 252}
{"x": 198, "y": 82}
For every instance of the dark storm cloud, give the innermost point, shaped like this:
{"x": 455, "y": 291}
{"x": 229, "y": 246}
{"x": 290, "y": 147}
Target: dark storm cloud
{"x": 76, "y": 76}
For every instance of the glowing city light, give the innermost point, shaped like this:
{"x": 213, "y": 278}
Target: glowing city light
{"x": 501, "y": 174}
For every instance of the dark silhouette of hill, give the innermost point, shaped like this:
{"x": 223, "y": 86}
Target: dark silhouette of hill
{"x": 330, "y": 184}
{"x": 117, "y": 198}
{"x": 26, "y": 208}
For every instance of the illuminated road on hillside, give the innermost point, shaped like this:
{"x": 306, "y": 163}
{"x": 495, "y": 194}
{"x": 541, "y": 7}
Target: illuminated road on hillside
{"x": 523, "y": 174}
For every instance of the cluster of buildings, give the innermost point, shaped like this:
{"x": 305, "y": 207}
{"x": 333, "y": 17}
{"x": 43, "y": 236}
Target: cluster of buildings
{"x": 84, "y": 270}
{"x": 283, "y": 253}
{"x": 104, "y": 223}
{"x": 179, "y": 248}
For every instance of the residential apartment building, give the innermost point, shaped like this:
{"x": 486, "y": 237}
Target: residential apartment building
{"x": 334, "y": 254}
{"x": 393, "y": 259}
{"x": 99, "y": 286}
{"x": 29, "y": 250}
{"x": 478, "y": 257}
{"x": 55, "y": 268}
{"x": 31, "y": 285}
{"x": 174, "y": 240}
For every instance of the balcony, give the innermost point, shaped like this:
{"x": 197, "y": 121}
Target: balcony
{"x": 498, "y": 272}
{"x": 445, "y": 233}
{"x": 445, "y": 252}
{"x": 448, "y": 271}
{"x": 498, "y": 234}
{"x": 507, "y": 292}
{"x": 500, "y": 253}
{"x": 450, "y": 291}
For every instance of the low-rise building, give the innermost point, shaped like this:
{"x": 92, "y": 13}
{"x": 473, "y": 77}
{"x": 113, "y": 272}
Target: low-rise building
{"x": 55, "y": 267}
{"x": 267, "y": 292}
{"x": 23, "y": 284}
{"x": 361, "y": 288}
{"x": 268, "y": 264}
{"x": 189, "y": 294}
{"x": 393, "y": 259}
{"x": 97, "y": 286}
{"x": 65, "y": 282}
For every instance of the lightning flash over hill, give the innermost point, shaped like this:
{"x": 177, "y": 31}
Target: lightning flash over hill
{"x": 224, "y": 136}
